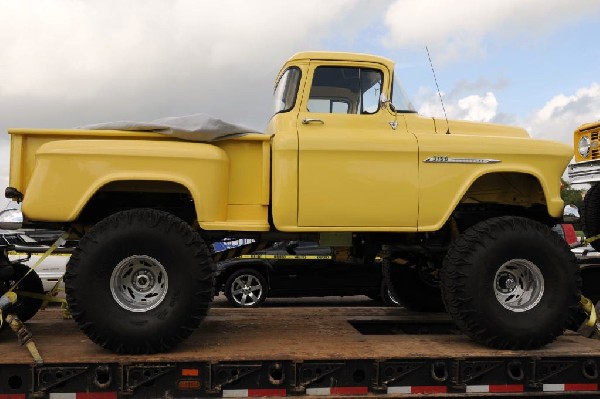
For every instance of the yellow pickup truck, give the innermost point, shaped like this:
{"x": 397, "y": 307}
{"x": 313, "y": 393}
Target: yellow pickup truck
{"x": 345, "y": 160}
{"x": 586, "y": 170}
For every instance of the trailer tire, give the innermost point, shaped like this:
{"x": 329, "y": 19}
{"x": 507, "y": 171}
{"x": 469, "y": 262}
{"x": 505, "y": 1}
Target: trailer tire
{"x": 140, "y": 281}
{"x": 25, "y": 307}
{"x": 254, "y": 286}
{"x": 590, "y": 214}
{"x": 511, "y": 283}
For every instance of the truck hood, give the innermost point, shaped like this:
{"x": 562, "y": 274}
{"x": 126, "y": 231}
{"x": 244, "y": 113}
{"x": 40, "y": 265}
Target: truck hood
{"x": 477, "y": 128}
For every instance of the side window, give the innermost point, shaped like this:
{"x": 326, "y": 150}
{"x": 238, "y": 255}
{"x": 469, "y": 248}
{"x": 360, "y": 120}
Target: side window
{"x": 338, "y": 90}
{"x": 284, "y": 96}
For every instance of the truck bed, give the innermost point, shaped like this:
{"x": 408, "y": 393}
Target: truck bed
{"x": 309, "y": 351}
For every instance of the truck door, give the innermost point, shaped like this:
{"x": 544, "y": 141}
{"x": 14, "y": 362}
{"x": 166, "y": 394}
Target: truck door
{"x": 355, "y": 169}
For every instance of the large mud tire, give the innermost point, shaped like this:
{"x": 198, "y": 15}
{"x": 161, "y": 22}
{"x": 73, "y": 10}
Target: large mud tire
{"x": 590, "y": 214}
{"x": 140, "y": 282}
{"x": 25, "y": 307}
{"x": 511, "y": 283}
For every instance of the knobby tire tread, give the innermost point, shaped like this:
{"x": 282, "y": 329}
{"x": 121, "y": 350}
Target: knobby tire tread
{"x": 455, "y": 273}
{"x": 203, "y": 274}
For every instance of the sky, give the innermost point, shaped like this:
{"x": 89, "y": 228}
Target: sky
{"x": 67, "y": 63}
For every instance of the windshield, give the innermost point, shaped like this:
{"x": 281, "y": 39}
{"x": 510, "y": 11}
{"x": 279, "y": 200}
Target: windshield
{"x": 284, "y": 96}
{"x": 400, "y": 99}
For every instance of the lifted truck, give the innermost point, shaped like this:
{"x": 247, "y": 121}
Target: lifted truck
{"x": 345, "y": 161}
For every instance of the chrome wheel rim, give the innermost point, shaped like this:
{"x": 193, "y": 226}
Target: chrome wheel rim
{"x": 519, "y": 285}
{"x": 139, "y": 283}
{"x": 246, "y": 290}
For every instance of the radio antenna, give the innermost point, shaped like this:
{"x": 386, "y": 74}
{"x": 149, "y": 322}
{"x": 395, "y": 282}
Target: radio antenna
{"x": 439, "y": 92}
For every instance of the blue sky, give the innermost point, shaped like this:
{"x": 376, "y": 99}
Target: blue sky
{"x": 65, "y": 63}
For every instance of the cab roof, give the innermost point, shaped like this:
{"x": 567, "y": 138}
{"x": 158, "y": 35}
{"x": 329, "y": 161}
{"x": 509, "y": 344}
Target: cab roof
{"x": 342, "y": 56}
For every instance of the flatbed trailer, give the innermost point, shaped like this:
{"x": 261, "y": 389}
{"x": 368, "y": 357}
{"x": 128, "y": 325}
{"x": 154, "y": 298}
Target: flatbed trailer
{"x": 312, "y": 351}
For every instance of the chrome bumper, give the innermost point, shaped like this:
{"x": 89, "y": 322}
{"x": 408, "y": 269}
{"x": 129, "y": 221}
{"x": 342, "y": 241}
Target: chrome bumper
{"x": 584, "y": 172}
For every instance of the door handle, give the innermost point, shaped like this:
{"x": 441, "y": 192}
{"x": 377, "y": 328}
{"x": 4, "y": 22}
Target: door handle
{"x": 306, "y": 121}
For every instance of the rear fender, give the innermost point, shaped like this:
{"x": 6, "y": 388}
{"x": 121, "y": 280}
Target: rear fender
{"x": 68, "y": 173}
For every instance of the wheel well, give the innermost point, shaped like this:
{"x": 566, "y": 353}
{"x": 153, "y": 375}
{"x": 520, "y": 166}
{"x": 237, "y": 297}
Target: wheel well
{"x": 503, "y": 194}
{"x": 122, "y": 195}
{"x": 508, "y": 188}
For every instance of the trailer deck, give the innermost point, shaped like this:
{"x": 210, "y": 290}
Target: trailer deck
{"x": 311, "y": 351}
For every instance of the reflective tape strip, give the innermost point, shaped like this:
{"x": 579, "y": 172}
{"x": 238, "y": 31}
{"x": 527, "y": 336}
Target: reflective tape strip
{"x": 337, "y": 391}
{"x": 418, "y": 389}
{"x": 315, "y": 257}
{"x": 83, "y": 395}
{"x": 495, "y": 388}
{"x": 248, "y": 393}
{"x": 569, "y": 387}
{"x": 12, "y": 396}
{"x": 15, "y": 253}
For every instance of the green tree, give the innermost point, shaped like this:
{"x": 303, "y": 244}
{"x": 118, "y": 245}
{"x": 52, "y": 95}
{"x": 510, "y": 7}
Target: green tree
{"x": 571, "y": 195}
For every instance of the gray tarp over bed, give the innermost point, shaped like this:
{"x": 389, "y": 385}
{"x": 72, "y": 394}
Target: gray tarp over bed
{"x": 197, "y": 127}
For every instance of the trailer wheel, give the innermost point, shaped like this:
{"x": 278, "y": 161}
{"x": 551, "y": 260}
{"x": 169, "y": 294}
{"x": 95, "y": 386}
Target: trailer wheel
{"x": 590, "y": 214}
{"x": 511, "y": 283}
{"x": 246, "y": 288}
{"x": 26, "y": 307}
{"x": 140, "y": 281}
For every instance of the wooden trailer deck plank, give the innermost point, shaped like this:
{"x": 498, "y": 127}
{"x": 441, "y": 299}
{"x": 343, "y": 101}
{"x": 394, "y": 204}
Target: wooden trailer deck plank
{"x": 303, "y": 333}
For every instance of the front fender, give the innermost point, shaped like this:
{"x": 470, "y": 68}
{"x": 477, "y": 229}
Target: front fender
{"x": 68, "y": 173}
{"x": 450, "y": 164}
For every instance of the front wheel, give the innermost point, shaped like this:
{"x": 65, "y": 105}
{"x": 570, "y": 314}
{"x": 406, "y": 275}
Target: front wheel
{"x": 510, "y": 283}
{"x": 246, "y": 288}
{"x": 140, "y": 281}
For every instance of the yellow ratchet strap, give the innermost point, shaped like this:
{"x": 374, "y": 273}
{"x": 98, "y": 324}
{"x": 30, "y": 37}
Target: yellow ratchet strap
{"x": 589, "y": 308}
{"x": 591, "y": 239}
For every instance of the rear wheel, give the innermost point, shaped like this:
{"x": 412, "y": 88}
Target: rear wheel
{"x": 140, "y": 281}
{"x": 511, "y": 283}
{"x": 246, "y": 288}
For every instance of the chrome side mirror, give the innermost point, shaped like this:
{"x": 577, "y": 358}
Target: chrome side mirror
{"x": 385, "y": 102}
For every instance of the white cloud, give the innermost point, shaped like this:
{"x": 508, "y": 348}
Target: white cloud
{"x": 76, "y": 62}
{"x": 467, "y": 101}
{"x": 562, "y": 114}
{"x": 457, "y": 29}
{"x": 479, "y": 108}
{"x": 555, "y": 120}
